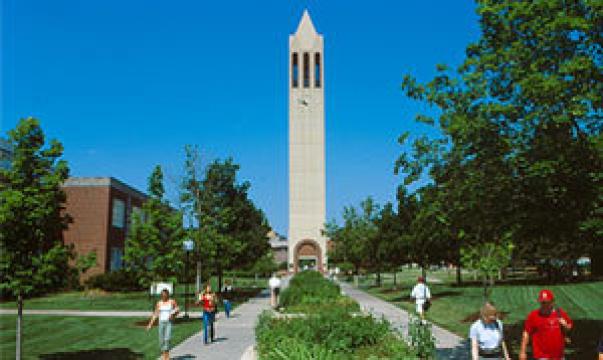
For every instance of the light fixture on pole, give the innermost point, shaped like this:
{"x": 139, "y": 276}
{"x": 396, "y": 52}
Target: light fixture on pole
{"x": 188, "y": 246}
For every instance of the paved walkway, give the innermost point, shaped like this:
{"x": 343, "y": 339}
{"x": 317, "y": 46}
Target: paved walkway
{"x": 235, "y": 336}
{"x": 449, "y": 345}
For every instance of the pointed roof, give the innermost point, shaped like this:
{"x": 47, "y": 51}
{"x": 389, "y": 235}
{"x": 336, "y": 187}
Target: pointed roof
{"x": 305, "y": 27}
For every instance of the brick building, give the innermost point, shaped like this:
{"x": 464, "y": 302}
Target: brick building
{"x": 101, "y": 209}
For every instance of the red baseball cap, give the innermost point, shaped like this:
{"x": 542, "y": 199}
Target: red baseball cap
{"x": 545, "y": 295}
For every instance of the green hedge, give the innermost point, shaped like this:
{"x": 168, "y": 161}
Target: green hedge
{"x": 120, "y": 280}
{"x": 329, "y": 329}
{"x": 309, "y": 292}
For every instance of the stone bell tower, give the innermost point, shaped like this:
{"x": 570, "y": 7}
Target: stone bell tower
{"x": 307, "y": 208}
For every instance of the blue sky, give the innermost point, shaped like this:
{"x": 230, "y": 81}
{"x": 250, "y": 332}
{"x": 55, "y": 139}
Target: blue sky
{"x": 124, "y": 85}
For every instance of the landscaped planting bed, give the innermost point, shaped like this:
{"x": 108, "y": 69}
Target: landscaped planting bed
{"x": 330, "y": 329}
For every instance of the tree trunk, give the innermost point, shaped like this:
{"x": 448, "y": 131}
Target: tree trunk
{"x": 378, "y": 279}
{"x": 395, "y": 282}
{"x": 19, "y": 326}
{"x": 459, "y": 279}
{"x": 424, "y": 272}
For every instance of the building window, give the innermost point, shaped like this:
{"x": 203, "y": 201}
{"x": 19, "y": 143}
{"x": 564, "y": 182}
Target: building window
{"x": 119, "y": 213}
{"x": 116, "y": 258}
{"x": 317, "y": 70}
{"x": 306, "y": 70}
{"x": 294, "y": 70}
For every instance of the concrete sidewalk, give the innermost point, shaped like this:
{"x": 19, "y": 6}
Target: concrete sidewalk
{"x": 449, "y": 345}
{"x": 235, "y": 336}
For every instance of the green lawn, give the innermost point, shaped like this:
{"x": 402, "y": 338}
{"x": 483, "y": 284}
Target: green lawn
{"x": 455, "y": 308}
{"x": 100, "y": 300}
{"x": 53, "y": 337}
{"x": 66, "y": 338}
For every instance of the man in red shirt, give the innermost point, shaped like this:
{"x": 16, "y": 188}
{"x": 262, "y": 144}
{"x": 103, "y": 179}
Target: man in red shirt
{"x": 546, "y": 327}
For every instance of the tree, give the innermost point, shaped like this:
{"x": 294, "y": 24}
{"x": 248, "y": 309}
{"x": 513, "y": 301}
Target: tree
{"x": 33, "y": 258}
{"x": 190, "y": 198}
{"x": 392, "y": 249}
{"x": 518, "y": 119}
{"x": 356, "y": 242}
{"x": 487, "y": 259}
{"x": 154, "y": 243}
{"x": 232, "y": 230}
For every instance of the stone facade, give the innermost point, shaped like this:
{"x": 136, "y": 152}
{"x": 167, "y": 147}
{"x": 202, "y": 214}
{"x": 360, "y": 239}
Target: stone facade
{"x": 306, "y": 144}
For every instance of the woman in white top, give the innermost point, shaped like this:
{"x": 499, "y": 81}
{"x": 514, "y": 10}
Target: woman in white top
{"x": 166, "y": 310}
{"x": 486, "y": 334}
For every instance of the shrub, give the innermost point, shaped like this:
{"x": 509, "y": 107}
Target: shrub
{"x": 120, "y": 280}
{"x": 309, "y": 291}
{"x": 421, "y": 338}
{"x": 329, "y": 330}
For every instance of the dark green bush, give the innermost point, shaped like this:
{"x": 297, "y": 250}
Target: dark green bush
{"x": 328, "y": 335}
{"x": 309, "y": 291}
{"x": 120, "y": 280}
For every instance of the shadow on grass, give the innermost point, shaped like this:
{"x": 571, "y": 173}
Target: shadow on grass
{"x": 467, "y": 283}
{"x": 584, "y": 339}
{"x": 95, "y": 354}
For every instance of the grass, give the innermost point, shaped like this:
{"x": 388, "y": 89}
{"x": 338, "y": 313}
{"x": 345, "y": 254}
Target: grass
{"x": 94, "y": 338}
{"x": 124, "y": 301}
{"x": 455, "y": 308}
{"x": 53, "y": 337}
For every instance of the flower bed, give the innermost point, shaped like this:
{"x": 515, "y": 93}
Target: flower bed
{"x": 330, "y": 330}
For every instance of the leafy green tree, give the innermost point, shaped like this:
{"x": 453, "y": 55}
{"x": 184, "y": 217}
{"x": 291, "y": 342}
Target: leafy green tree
{"x": 353, "y": 241}
{"x": 487, "y": 259}
{"x": 154, "y": 243}
{"x": 518, "y": 119}
{"x": 83, "y": 263}
{"x": 391, "y": 251}
{"x": 232, "y": 231}
{"x": 33, "y": 258}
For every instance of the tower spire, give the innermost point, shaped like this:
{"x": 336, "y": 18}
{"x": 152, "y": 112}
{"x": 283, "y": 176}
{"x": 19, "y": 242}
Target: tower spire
{"x": 305, "y": 27}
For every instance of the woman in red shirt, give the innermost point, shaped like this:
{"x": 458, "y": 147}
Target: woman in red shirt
{"x": 208, "y": 298}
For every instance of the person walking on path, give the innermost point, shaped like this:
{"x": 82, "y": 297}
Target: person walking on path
{"x": 546, "y": 327}
{"x": 486, "y": 334}
{"x": 422, "y": 296}
{"x": 275, "y": 286}
{"x": 208, "y": 298}
{"x": 166, "y": 310}
{"x": 226, "y": 298}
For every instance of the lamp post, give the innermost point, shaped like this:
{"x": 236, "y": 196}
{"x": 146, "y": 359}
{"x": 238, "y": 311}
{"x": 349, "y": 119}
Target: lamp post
{"x": 188, "y": 246}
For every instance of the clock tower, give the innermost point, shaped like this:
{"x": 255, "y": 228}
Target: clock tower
{"x": 307, "y": 208}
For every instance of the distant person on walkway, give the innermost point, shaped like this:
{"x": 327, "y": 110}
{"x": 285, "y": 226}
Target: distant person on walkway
{"x": 422, "y": 296}
{"x": 208, "y": 298}
{"x": 226, "y": 297}
{"x": 486, "y": 334}
{"x": 546, "y": 326}
{"x": 275, "y": 287}
{"x": 600, "y": 348}
{"x": 166, "y": 310}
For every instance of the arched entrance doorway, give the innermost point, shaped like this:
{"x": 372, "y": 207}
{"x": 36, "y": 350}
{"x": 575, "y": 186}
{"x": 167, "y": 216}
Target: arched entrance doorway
{"x": 307, "y": 254}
